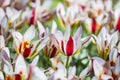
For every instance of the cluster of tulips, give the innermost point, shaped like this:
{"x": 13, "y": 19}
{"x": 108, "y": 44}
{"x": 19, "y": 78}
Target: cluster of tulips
{"x": 47, "y": 39}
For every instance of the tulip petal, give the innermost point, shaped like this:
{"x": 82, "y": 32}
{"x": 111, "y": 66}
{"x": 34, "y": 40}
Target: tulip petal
{"x": 53, "y": 52}
{"x": 29, "y": 34}
{"x": 6, "y": 3}
{"x": 54, "y": 27}
{"x": 100, "y": 60}
{"x": 71, "y": 72}
{"x": 78, "y": 34}
{"x": 17, "y": 39}
{"x": 35, "y": 61}
{"x": 67, "y": 33}
{"x": 9, "y": 12}
{"x": 1, "y": 76}
{"x": 42, "y": 44}
{"x": 38, "y": 74}
{"x": 106, "y": 77}
{"x": 16, "y": 16}
{"x": 60, "y": 66}
{"x": 84, "y": 73}
{"x": 114, "y": 39}
{"x": 117, "y": 66}
{"x": 70, "y": 46}
{"x": 94, "y": 25}
{"x": 118, "y": 24}
{"x": 113, "y": 56}
{"x": 41, "y": 28}
{"x": 20, "y": 66}
{"x": 85, "y": 40}
{"x": 2, "y": 42}
{"x": 5, "y": 53}
{"x": 2, "y": 14}
{"x": 98, "y": 69}
{"x": 4, "y": 22}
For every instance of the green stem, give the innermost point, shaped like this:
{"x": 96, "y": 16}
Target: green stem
{"x": 67, "y": 64}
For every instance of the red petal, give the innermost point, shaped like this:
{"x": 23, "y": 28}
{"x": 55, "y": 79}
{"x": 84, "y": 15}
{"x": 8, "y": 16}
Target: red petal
{"x": 18, "y": 77}
{"x": 118, "y": 25}
{"x": 69, "y": 47}
{"x": 32, "y": 19}
{"x": 27, "y": 51}
{"x": 54, "y": 51}
{"x": 62, "y": 45}
{"x": 94, "y": 25}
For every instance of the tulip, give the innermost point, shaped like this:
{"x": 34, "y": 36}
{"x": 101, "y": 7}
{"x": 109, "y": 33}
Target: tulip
{"x": 62, "y": 70}
{"x": 70, "y": 45}
{"x": 24, "y": 45}
{"x": 105, "y": 42}
{"x": 51, "y": 49}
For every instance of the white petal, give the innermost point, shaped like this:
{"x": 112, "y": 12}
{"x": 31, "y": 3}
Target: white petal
{"x": 60, "y": 66}
{"x": 67, "y": 32}
{"x": 40, "y": 27}
{"x": 84, "y": 73}
{"x": 78, "y": 33}
{"x": 2, "y": 13}
{"x": 8, "y": 68}
{"x": 1, "y": 76}
{"x": 30, "y": 33}
{"x": 5, "y": 53}
{"x": 54, "y": 27}
{"x": 17, "y": 38}
{"x": 94, "y": 78}
{"x": 106, "y": 77}
{"x": 85, "y": 40}
{"x": 38, "y": 74}
{"x": 2, "y": 42}
{"x": 9, "y": 12}
{"x": 117, "y": 66}
{"x": 46, "y": 4}
{"x": 71, "y": 72}
{"x": 20, "y": 65}
{"x": 100, "y": 60}
{"x": 98, "y": 69}
{"x": 16, "y": 16}
{"x": 42, "y": 44}
{"x": 4, "y": 22}
{"x": 59, "y": 74}
{"x": 35, "y": 60}
{"x": 54, "y": 62}
{"x": 6, "y": 3}
{"x": 113, "y": 55}
{"x": 35, "y": 44}
{"x": 60, "y": 10}
{"x": 114, "y": 39}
